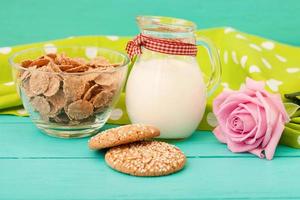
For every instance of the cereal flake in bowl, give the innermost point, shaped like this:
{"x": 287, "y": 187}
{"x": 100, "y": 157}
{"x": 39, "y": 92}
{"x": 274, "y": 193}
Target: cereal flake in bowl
{"x": 69, "y": 93}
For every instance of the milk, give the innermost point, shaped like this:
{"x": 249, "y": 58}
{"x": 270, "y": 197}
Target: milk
{"x": 168, "y": 93}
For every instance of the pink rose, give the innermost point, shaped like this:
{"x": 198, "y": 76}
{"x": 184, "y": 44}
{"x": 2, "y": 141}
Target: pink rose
{"x": 250, "y": 120}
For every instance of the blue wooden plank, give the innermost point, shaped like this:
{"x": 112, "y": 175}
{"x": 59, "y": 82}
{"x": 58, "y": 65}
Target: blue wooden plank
{"x": 203, "y": 178}
{"x": 20, "y": 138}
{"x": 11, "y": 119}
{"x": 268, "y": 18}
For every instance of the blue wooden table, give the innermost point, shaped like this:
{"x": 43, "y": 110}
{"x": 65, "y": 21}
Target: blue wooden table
{"x": 36, "y": 166}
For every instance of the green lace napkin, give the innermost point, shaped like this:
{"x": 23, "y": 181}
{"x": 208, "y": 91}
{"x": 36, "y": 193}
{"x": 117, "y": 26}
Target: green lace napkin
{"x": 242, "y": 55}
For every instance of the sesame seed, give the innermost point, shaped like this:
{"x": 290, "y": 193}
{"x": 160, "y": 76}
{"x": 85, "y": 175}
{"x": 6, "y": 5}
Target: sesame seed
{"x": 147, "y": 158}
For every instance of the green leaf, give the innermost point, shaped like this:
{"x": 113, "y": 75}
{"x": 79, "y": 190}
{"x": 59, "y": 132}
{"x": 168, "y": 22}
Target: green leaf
{"x": 296, "y": 120}
{"x": 297, "y": 114}
{"x": 291, "y": 108}
{"x": 293, "y": 126}
{"x": 290, "y": 137}
{"x": 294, "y": 97}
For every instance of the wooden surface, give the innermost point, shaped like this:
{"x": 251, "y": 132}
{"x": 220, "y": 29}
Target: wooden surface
{"x": 36, "y": 166}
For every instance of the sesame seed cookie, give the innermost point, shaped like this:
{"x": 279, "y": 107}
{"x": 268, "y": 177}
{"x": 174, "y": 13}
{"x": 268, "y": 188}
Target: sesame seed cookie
{"x": 122, "y": 135}
{"x": 146, "y": 158}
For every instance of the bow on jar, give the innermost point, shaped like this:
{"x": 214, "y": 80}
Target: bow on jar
{"x": 162, "y": 45}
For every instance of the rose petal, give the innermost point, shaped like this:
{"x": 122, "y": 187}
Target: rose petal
{"x": 261, "y": 123}
{"x": 239, "y": 110}
{"x": 276, "y": 100}
{"x": 229, "y": 106}
{"x": 241, "y": 98}
{"x": 248, "y": 122}
{"x": 233, "y": 116}
{"x": 270, "y": 115}
{"x": 277, "y": 132}
{"x": 219, "y": 134}
{"x": 229, "y": 131}
{"x": 251, "y": 139}
{"x": 245, "y": 138}
{"x": 249, "y": 92}
{"x": 236, "y": 124}
{"x": 241, "y": 126}
{"x": 252, "y": 109}
{"x": 242, "y": 147}
{"x": 239, "y": 136}
{"x": 224, "y": 113}
{"x": 258, "y": 152}
{"x": 220, "y": 99}
{"x": 255, "y": 85}
{"x": 260, "y": 128}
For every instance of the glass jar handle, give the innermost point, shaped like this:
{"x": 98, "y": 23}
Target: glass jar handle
{"x": 216, "y": 70}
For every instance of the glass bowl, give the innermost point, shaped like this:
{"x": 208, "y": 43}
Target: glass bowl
{"x": 69, "y": 104}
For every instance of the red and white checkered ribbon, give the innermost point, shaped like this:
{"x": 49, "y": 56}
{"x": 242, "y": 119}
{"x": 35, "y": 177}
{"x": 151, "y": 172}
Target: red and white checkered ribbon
{"x": 167, "y": 46}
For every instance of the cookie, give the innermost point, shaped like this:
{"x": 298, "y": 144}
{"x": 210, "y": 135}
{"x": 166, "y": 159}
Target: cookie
{"x": 123, "y": 135}
{"x": 146, "y": 158}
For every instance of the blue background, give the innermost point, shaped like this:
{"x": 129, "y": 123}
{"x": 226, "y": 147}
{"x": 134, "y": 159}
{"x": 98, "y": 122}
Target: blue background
{"x": 32, "y": 20}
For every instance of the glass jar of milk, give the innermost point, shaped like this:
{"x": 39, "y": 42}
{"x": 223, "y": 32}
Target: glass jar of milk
{"x": 165, "y": 90}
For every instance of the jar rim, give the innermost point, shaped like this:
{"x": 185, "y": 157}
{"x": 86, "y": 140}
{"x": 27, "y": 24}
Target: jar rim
{"x": 164, "y": 23}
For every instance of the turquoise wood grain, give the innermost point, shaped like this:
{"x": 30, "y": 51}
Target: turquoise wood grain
{"x": 203, "y": 178}
{"x": 36, "y": 166}
{"x": 30, "y": 142}
{"x": 11, "y": 119}
{"x": 32, "y": 20}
